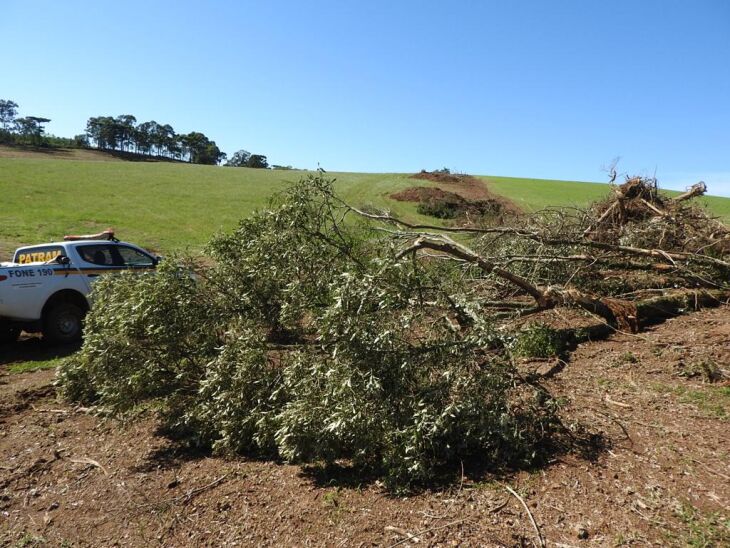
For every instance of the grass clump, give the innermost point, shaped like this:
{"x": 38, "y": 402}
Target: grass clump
{"x": 712, "y": 400}
{"x": 629, "y": 357}
{"x": 703, "y": 530}
{"x": 27, "y": 367}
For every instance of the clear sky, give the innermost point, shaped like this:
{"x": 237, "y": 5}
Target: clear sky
{"x": 517, "y": 88}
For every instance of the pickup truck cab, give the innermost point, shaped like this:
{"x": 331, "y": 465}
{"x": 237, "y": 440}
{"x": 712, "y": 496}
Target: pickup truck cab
{"x": 46, "y": 287}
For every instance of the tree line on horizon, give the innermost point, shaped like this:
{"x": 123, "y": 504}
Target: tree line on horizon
{"x": 25, "y": 130}
{"x": 123, "y": 134}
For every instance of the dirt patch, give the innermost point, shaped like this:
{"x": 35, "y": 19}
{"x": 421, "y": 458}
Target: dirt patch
{"x": 55, "y": 153}
{"x": 465, "y": 198}
{"x": 662, "y": 478}
{"x": 439, "y": 176}
{"x": 19, "y": 392}
{"x": 466, "y": 186}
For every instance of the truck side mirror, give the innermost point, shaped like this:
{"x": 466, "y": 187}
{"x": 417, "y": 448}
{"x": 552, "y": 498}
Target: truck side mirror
{"x": 62, "y": 259}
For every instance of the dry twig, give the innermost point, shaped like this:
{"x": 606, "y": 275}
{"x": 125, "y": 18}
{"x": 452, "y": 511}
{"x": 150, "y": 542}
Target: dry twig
{"x": 450, "y": 524}
{"x": 92, "y": 462}
{"x": 618, "y": 403}
{"x": 532, "y": 518}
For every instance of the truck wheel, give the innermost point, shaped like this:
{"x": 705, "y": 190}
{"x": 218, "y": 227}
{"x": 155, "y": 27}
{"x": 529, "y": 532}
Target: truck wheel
{"x": 63, "y": 323}
{"x": 8, "y": 333}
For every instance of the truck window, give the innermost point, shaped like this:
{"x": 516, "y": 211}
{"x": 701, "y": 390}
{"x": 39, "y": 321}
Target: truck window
{"x": 97, "y": 254}
{"x": 38, "y": 254}
{"x": 132, "y": 257}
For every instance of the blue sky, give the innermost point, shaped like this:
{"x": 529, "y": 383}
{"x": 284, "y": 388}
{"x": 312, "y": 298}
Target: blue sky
{"x": 520, "y": 88}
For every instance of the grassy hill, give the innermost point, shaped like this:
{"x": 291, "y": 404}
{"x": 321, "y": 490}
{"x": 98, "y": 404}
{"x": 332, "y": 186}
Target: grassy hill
{"x": 173, "y": 206}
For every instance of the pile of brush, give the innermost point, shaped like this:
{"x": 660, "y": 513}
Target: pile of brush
{"x": 637, "y": 214}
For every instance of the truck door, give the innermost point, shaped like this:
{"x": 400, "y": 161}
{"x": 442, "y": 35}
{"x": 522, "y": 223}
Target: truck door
{"x": 97, "y": 259}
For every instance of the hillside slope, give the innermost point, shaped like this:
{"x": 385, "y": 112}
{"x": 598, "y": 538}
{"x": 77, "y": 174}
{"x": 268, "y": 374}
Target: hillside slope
{"x": 174, "y": 206}
{"x": 162, "y": 205}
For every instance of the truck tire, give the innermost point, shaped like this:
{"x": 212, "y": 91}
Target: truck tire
{"x": 8, "y": 333}
{"x": 63, "y": 323}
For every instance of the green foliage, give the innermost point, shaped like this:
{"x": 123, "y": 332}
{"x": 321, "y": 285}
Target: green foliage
{"x": 8, "y": 112}
{"x": 712, "y": 401}
{"x": 29, "y": 540}
{"x": 31, "y": 129}
{"x": 441, "y": 209}
{"x": 258, "y": 161}
{"x": 239, "y": 159}
{"x": 310, "y": 340}
{"x": 122, "y": 133}
{"x": 148, "y": 337}
{"x": 243, "y": 158}
{"x": 551, "y": 224}
{"x": 539, "y": 341}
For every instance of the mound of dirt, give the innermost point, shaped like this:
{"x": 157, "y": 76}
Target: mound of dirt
{"x": 424, "y": 193}
{"x": 440, "y": 176}
{"x": 466, "y": 197}
{"x": 444, "y": 204}
{"x": 466, "y": 186}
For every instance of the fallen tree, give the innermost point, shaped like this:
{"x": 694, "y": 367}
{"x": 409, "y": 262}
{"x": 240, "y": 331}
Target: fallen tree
{"x": 318, "y": 331}
{"x": 559, "y": 237}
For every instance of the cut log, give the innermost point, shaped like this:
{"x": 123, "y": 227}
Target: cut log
{"x": 657, "y": 309}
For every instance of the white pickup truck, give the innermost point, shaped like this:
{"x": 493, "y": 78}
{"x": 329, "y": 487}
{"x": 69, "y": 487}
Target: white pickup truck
{"x": 46, "y": 287}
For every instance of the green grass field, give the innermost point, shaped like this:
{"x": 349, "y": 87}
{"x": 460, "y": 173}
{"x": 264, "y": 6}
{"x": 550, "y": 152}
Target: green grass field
{"x": 161, "y": 205}
{"x": 172, "y": 206}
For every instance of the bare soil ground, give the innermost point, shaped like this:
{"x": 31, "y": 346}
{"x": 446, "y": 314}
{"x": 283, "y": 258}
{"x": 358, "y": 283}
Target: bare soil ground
{"x": 661, "y": 476}
{"x": 458, "y": 196}
{"x": 466, "y": 186}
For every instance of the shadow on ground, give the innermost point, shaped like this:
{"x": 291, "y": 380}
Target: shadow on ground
{"x": 583, "y": 445}
{"x": 577, "y": 442}
{"x": 34, "y": 349}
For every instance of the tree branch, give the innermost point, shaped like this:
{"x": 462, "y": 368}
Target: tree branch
{"x": 697, "y": 189}
{"x": 446, "y": 245}
{"x": 670, "y": 257}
